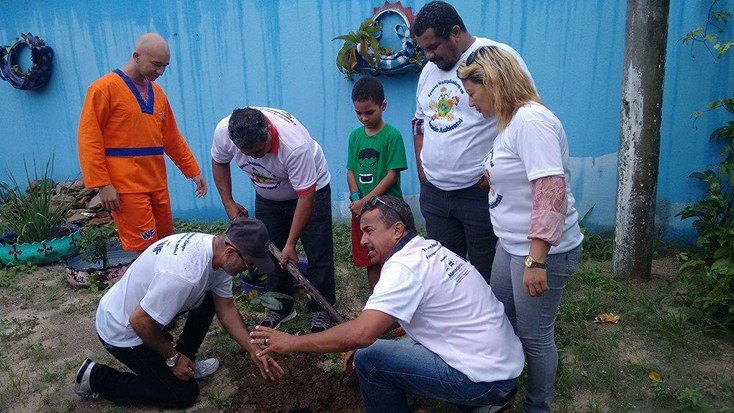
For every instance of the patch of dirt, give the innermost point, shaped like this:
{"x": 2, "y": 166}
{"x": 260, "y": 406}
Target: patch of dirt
{"x": 304, "y": 385}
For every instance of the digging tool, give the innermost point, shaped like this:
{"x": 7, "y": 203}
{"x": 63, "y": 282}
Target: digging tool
{"x": 312, "y": 291}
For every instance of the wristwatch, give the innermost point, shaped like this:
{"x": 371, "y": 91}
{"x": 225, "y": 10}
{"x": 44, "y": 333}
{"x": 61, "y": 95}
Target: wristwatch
{"x": 530, "y": 262}
{"x": 171, "y": 361}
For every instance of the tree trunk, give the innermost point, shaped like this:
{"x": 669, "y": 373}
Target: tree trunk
{"x": 639, "y": 141}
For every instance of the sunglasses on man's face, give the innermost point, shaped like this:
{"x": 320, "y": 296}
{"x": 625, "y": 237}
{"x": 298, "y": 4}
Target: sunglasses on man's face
{"x": 248, "y": 265}
{"x": 372, "y": 204}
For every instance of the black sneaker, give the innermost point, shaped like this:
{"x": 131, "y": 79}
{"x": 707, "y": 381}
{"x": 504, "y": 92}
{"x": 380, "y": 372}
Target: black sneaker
{"x": 274, "y": 319}
{"x": 320, "y": 321}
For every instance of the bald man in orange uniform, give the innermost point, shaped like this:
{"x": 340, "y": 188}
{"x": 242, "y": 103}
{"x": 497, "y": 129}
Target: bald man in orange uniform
{"x": 125, "y": 128}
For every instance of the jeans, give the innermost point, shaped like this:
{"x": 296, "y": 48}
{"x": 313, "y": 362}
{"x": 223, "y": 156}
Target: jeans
{"x": 387, "y": 369}
{"x": 460, "y": 221}
{"x": 533, "y": 318}
{"x": 317, "y": 240}
{"x": 152, "y": 382}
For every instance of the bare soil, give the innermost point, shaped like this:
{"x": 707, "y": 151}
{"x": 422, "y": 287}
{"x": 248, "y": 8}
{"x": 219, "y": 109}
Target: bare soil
{"x": 47, "y": 329}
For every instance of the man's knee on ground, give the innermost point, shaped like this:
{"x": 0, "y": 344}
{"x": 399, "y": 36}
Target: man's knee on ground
{"x": 185, "y": 394}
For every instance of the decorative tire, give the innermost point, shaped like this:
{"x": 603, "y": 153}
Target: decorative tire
{"x": 80, "y": 272}
{"x": 39, "y": 73}
{"x": 40, "y": 253}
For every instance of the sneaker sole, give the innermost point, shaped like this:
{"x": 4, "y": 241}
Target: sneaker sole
{"x": 79, "y": 376}
{"x": 82, "y": 369}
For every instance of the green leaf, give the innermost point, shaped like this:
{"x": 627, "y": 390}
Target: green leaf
{"x": 723, "y": 266}
{"x": 271, "y": 303}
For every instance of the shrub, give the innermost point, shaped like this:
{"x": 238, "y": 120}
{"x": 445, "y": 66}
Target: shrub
{"x": 30, "y": 214}
{"x": 709, "y": 275}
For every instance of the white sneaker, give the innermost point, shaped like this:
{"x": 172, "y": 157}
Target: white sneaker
{"x": 82, "y": 387}
{"x": 205, "y": 368}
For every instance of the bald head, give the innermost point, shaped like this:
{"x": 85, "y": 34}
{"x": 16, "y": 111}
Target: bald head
{"x": 151, "y": 43}
{"x": 150, "y": 58}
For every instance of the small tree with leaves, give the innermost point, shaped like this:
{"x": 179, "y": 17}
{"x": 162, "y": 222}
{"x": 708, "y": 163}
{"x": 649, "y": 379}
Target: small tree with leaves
{"x": 710, "y": 271}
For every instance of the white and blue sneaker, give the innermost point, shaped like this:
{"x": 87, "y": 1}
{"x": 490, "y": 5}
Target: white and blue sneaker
{"x": 205, "y": 368}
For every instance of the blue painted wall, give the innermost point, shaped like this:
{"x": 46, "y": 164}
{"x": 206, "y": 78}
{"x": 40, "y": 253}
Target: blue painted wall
{"x": 231, "y": 53}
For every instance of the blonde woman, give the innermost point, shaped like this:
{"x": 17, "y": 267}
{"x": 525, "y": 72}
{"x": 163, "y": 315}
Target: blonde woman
{"x": 531, "y": 207}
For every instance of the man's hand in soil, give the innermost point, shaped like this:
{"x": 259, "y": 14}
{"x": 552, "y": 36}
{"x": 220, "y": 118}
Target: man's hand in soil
{"x": 348, "y": 361}
{"x": 109, "y": 197}
{"x": 269, "y": 368}
{"x": 184, "y": 368}
{"x": 274, "y": 341}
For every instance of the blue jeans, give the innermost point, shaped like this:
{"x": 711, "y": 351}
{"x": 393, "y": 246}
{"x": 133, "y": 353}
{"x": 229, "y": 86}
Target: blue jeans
{"x": 460, "y": 221}
{"x": 533, "y": 318}
{"x": 388, "y": 368}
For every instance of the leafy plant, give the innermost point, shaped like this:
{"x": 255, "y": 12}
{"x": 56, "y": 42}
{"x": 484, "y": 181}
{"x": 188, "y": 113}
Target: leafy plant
{"x": 254, "y": 277}
{"x": 348, "y": 56}
{"x": 710, "y": 270}
{"x": 597, "y": 246}
{"x": 270, "y": 300}
{"x": 31, "y": 214}
{"x": 95, "y": 241}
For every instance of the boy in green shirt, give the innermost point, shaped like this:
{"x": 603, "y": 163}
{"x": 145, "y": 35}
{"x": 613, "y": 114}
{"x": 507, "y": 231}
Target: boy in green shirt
{"x": 376, "y": 157}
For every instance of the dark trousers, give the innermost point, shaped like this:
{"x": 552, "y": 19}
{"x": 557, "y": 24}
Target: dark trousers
{"x": 317, "y": 240}
{"x": 460, "y": 221}
{"x": 152, "y": 382}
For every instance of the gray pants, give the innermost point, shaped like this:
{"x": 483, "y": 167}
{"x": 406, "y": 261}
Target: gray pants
{"x": 533, "y": 318}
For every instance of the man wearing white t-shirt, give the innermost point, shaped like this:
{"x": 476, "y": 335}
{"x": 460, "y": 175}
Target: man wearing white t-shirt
{"x": 461, "y": 347}
{"x": 293, "y": 198}
{"x": 451, "y": 139}
{"x": 188, "y": 272}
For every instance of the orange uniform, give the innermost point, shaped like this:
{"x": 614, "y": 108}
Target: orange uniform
{"x": 122, "y": 139}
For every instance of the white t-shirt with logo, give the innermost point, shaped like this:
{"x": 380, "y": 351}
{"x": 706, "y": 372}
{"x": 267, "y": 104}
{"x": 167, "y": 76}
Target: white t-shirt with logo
{"x": 455, "y": 136}
{"x": 169, "y": 277}
{"x": 298, "y": 165}
{"x": 533, "y": 145}
{"x": 444, "y": 304}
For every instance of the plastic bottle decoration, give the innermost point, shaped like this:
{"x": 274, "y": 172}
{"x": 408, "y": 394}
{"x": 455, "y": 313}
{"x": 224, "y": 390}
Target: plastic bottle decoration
{"x": 39, "y": 73}
{"x": 408, "y": 58}
{"x": 362, "y": 53}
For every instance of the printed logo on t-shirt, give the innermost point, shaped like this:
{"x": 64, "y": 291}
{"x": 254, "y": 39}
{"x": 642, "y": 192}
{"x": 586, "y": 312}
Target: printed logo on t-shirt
{"x": 260, "y": 175}
{"x": 442, "y": 99}
{"x": 455, "y": 269}
{"x": 494, "y": 198}
{"x": 367, "y": 159}
{"x": 283, "y": 115}
{"x": 159, "y": 247}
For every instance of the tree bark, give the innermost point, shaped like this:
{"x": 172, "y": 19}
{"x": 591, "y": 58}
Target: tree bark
{"x": 639, "y": 142}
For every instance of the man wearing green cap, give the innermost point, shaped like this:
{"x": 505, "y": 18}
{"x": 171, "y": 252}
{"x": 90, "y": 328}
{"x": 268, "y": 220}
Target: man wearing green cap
{"x": 188, "y": 272}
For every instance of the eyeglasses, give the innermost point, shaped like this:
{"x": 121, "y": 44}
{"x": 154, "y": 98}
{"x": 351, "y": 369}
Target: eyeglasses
{"x": 247, "y": 263}
{"x": 372, "y": 203}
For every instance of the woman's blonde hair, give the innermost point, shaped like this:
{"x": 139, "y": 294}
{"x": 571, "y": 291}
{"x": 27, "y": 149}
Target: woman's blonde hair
{"x": 499, "y": 73}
